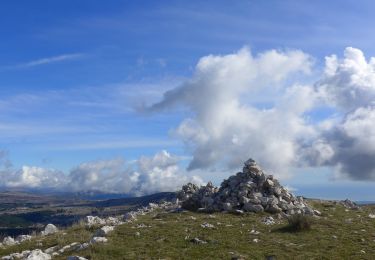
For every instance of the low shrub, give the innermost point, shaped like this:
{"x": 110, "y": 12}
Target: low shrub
{"x": 299, "y": 222}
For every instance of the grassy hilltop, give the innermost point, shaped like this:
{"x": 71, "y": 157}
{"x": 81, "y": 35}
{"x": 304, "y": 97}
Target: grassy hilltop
{"x": 339, "y": 234}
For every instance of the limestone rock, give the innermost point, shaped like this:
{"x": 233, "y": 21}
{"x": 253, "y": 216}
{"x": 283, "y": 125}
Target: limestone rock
{"x": 76, "y": 258}
{"x": 96, "y": 240}
{"x": 94, "y": 221}
{"x": 104, "y": 231}
{"x": 49, "y": 229}
{"x": 22, "y": 238}
{"x": 38, "y": 254}
{"x": 9, "y": 241}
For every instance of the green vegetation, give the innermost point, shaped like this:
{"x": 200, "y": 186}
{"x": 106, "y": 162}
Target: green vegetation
{"x": 298, "y": 222}
{"x": 338, "y": 234}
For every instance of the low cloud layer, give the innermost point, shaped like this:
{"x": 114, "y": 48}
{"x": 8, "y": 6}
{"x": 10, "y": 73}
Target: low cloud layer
{"x": 145, "y": 176}
{"x": 244, "y": 105}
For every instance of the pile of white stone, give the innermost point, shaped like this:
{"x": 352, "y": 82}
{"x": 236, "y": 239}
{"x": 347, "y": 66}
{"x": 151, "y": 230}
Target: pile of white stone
{"x": 250, "y": 190}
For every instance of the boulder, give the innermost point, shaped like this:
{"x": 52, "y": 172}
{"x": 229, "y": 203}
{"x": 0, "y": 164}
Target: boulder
{"x": 49, "y": 229}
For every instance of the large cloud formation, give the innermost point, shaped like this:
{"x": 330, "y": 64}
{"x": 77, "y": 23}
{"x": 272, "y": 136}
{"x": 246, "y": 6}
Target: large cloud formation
{"x": 145, "y": 176}
{"x": 242, "y": 106}
{"x": 229, "y": 123}
{"x": 347, "y": 141}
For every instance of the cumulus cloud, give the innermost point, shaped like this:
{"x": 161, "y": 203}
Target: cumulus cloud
{"x": 347, "y": 141}
{"x": 145, "y": 176}
{"x": 227, "y": 126}
{"x": 348, "y": 83}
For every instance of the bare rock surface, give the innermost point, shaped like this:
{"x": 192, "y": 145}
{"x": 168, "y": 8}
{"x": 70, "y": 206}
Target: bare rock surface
{"x": 251, "y": 190}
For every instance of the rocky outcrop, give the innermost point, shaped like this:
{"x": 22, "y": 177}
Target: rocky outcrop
{"x": 250, "y": 190}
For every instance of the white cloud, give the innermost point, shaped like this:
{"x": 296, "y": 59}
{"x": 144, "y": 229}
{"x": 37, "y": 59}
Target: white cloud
{"x": 48, "y": 60}
{"x": 144, "y": 176}
{"x": 348, "y": 83}
{"x": 227, "y": 127}
{"x": 347, "y": 142}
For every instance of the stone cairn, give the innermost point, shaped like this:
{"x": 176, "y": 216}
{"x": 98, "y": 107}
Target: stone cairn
{"x": 250, "y": 190}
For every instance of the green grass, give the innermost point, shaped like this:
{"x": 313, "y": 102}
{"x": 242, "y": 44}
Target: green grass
{"x": 169, "y": 237}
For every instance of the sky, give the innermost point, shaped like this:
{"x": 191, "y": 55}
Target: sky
{"x": 143, "y": 96}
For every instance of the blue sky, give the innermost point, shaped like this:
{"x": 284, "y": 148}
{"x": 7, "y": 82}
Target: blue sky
{"x": 74, "y": 75}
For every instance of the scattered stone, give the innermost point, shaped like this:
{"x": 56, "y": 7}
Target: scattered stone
{"x": 49, "y": 229}
{"x": 38, "y": 254}
{"x": 97, "y": 240}
{"x": 256, "y": 240}
{"x": 250, "y": 190}
{"x": 50, "y": 250}
{"x": 371, "y": 215}
{"x": 94, "y": 221}
{"x": 334, "y": 237}
{"x": 268, "y": 221}
{"x": 9, "y": 241}
{"x": 198, "y": 241}
{"x": 254, "y": 232}
{"x": 317, "y": 212}
{"x": 192, "y": 218}
{"x": 23, "y": 238}
{"x": 76, "y": 258}
{"x": 349, "y": 204}
{"x": 207, "y": 225}
{"x": 130, "y": 216}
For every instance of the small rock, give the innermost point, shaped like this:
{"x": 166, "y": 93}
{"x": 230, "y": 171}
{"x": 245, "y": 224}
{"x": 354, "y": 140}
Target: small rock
{"x": 76, "y": 258}
{"x": 198, "y": 241}
{"x": 268, "y": 221}
{"x": 9, "y": 241}
{"x": 96, "y": 240}
{"x": 317, "y": 212}
{"x": 94, "y": 221}
{"x": 38, "y": 254}
{"x": 50, "y": 250}
{"x": 22, "y": 238}
{"x": 254, "y": 232}
{"x": 371, "y": 215}
{"x": 256, "y": 240}
{"x": 207, "y": 225}
{"x": 137, "y": 234}
{"x": 104, "y": 231}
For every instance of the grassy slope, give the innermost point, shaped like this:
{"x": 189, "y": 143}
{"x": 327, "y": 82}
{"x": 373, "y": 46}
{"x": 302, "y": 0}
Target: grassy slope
{"x": 165, "y": 239}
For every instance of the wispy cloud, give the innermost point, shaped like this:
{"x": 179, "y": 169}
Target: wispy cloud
{"x": 44, "y": 61}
